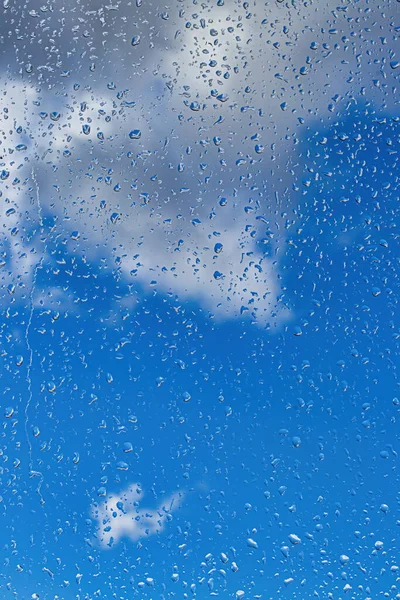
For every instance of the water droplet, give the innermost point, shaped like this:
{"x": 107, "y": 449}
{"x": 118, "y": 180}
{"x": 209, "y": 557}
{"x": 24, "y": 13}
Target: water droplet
{"x": 285, "y": 551}
{"x": 122, "y": 466}
{"x": 135, "y": 134}
{"x": 186, "y": 396}
{"x": 294, "y": 539}
{"x": 127, "y": 447}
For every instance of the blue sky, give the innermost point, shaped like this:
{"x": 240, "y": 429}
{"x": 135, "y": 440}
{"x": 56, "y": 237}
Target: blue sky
{"x": 180, "y": 419}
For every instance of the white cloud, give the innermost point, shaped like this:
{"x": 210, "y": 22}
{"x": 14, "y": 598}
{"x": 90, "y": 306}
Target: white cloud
{"x": 164, "y": 244}
{"x": 122, "y": 516}
{"x": 167, "y": 238}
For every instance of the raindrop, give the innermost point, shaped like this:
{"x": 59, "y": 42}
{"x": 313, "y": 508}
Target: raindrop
{"x": 135, "y": 134}
{"x": 186, "y": 396}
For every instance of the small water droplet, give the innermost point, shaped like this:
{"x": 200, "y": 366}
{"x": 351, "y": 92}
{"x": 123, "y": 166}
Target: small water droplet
{"x": 127, "y": 447}
{"x": 122, "y": 466}
{"x": 186, "y": 396}
{"x": 294, "y": 539}
{"x": 135, "y": 134}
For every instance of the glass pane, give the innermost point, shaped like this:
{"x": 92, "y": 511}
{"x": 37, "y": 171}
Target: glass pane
{"x": 199, "y": 289}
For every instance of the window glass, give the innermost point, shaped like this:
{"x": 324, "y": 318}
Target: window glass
{"x": 199, "y": 257}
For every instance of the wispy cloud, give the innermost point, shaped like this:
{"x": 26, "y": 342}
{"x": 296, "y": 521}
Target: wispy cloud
{"x": 122, "y": 516}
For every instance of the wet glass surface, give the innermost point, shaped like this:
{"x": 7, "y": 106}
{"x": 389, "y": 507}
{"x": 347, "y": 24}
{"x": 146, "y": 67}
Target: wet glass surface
{"x": 199, "y": 213}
